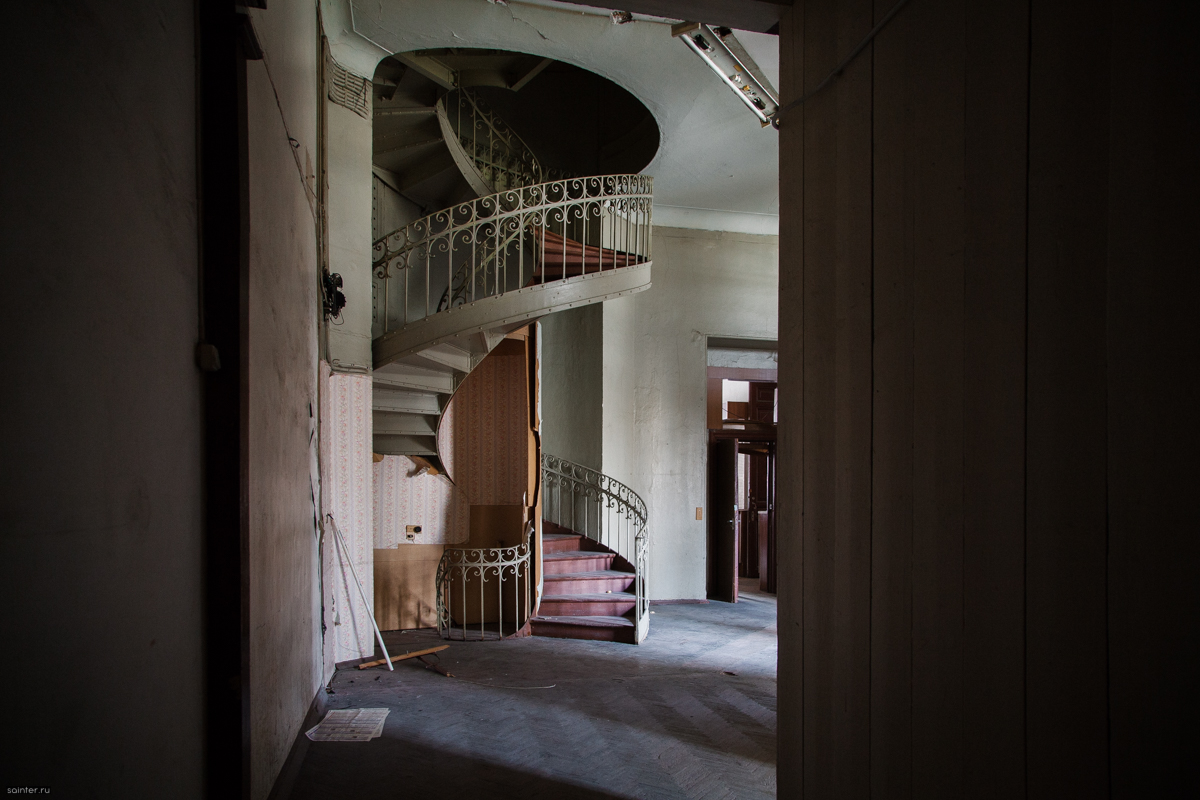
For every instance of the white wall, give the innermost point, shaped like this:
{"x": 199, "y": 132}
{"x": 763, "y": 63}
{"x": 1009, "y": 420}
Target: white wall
{"x": 100, "y": 505}
{"x": 572, "y": 379}
{"x": 285, "y": 614}
{"x": 655, "y": 434}
{"x": 349, "y": 207}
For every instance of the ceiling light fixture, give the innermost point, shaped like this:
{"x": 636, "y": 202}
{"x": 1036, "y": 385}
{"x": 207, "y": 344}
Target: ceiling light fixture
{"x": 724, "y": 54}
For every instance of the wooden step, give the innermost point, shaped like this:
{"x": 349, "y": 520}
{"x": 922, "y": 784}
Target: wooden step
{"x": 609, "y": 604}
{"x": 597, "y": 628}
{"x": 561, "y": 542}
{"x": 596, "y": 582}
{"x": 557, "y": 257}
{"x": 572, "y": 561}
{"x": 553, "y": 527}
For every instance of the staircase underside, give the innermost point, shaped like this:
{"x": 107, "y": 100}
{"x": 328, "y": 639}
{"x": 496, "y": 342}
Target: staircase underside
{"x": 587, "y": 592}
{"x": 511, "y": 310}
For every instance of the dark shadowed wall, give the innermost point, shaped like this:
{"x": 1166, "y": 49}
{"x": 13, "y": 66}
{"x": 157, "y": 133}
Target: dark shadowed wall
{"x": 108, "y": 519}
{"x": 988, "y": 364}
{"x": 100, "y": 407}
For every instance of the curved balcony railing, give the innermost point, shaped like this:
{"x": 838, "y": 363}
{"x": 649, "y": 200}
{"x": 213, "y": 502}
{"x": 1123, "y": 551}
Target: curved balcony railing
{"x": 490, "y": 154}
{"x": 604, "y": 510}
{"x": 508, "y": 241}
{"x": 484, "y": 591}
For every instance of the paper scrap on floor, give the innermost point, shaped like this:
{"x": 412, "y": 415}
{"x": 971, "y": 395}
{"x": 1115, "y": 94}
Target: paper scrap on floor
{"x": 350, "y": 725}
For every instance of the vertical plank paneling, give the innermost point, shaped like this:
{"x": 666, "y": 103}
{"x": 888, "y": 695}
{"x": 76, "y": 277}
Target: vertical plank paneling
{"x": 892, "y": 417}
{"x": 937, "y": 72}
{"x": 994, "y": 399}
{"x": 820, "y": 403}
{"x": 1066, "y": 647}
{"x": 1031, "y": 467}
{"x": 1153, "y": 377}
{"x": 790, "y": 480}
{"x": 850, "y": 695}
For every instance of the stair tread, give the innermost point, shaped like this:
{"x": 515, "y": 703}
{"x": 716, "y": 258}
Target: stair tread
{"x": 565, "y": 555}
{"x": 590, "y": 598}
{"x": 589, "y": 622}
{"x": 595, "y": 573}
{"x": 558, "y": 537}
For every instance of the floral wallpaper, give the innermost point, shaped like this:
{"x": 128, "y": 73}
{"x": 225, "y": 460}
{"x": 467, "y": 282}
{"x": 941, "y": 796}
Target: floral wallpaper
{"x": 484, "y": 435}
{"x": 346, "y": 494}
{"x": 402, "y": 497}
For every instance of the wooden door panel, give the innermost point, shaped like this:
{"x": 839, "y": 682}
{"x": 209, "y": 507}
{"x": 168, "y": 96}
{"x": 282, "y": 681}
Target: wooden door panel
{"x": 723, "y": 544}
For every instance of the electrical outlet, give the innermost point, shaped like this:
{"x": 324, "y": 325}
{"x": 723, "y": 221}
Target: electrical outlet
{"x": 413, "y": 529}
{"x": 699, "y": 513}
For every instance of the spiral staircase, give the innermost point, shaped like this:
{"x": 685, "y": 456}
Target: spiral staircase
{"x": 519, "y": 242}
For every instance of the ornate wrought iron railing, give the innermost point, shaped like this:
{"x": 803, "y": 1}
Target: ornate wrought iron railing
{"x": 508, "y": 241}
{"x": 490, "y": 154}
{"x": 484, "y": 591}
{"x": 604, "y": 510}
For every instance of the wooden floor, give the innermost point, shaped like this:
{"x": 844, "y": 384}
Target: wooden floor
{"x": 661, "y": 720}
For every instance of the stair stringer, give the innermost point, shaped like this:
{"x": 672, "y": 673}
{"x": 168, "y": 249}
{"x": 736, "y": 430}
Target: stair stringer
{"x": 509, "y": 311}
{"x": 507, "y": 142}
{"x": 418, "y": 362}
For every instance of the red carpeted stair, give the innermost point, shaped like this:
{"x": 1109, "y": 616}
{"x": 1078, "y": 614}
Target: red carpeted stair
{"x": 587, "y": 589}
{"x": 557, "y": 257}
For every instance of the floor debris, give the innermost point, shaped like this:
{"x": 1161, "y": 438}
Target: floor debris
{"x": 416, "y": 654}
{"x": 436, "y": 668}
{"x": 350, "y": 725}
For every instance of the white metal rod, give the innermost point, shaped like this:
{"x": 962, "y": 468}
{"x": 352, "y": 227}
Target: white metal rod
{"x": 361, "y": 591}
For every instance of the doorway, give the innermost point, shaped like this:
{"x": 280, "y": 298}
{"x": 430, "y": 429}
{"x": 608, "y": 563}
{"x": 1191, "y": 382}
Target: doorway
{"x": 742, "y": 406}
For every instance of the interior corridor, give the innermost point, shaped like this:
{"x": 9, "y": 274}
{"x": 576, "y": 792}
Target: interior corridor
{"x": 689, "y": 713}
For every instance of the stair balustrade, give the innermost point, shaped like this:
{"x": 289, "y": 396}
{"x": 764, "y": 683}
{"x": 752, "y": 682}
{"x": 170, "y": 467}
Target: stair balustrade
{"x": 604, "y": 510}
{"x": 479, "y": 589}
{"x": 510, "y": 241}
{"x": 490, "y": 154}
{"x": 535, "y": 241}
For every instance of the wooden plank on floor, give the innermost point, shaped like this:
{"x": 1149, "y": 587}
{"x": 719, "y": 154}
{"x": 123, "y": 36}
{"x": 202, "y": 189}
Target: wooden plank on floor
{"x": 994, "y": 400}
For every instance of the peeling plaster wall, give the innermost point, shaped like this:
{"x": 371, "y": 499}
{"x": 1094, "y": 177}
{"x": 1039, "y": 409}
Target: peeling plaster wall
{"x": 742, "y": 359}
{"x": 347, "y": 495}
{"x": 655, "y": 359}
{"x": 572, "y": 385}
{"x": 285, "y": 616}
{"x": 350, "y": 209}
{"x": 100, "y": 502}
{"x": 620, "y": 449}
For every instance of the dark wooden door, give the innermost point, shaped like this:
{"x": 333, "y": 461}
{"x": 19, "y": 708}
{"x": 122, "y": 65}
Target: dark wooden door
{"x": 762, "y": 401}
{"x": 722, "y": 509}
{"x": 767, "y": 555}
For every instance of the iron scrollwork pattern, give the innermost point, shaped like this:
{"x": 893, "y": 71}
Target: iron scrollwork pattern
{"x": 502, "y": 242}
{"x": 501, "y": 157}
{"x": 605, "y": 510}
{"x": 462, "y": 567}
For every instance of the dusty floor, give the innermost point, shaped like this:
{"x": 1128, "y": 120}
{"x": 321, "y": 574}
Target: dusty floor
{"x": 661, "y": 720}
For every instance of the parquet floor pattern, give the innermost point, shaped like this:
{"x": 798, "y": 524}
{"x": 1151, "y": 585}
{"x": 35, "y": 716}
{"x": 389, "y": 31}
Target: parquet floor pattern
{"x": 659, "y": 720}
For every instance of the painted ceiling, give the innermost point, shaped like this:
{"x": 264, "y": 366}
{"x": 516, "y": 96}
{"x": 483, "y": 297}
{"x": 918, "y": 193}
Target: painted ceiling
{"x": 716, "y": 167}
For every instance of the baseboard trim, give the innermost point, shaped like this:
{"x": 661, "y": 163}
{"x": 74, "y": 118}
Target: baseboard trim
{"x": 680, "y": 602}
{"x": 285, "y": 781}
